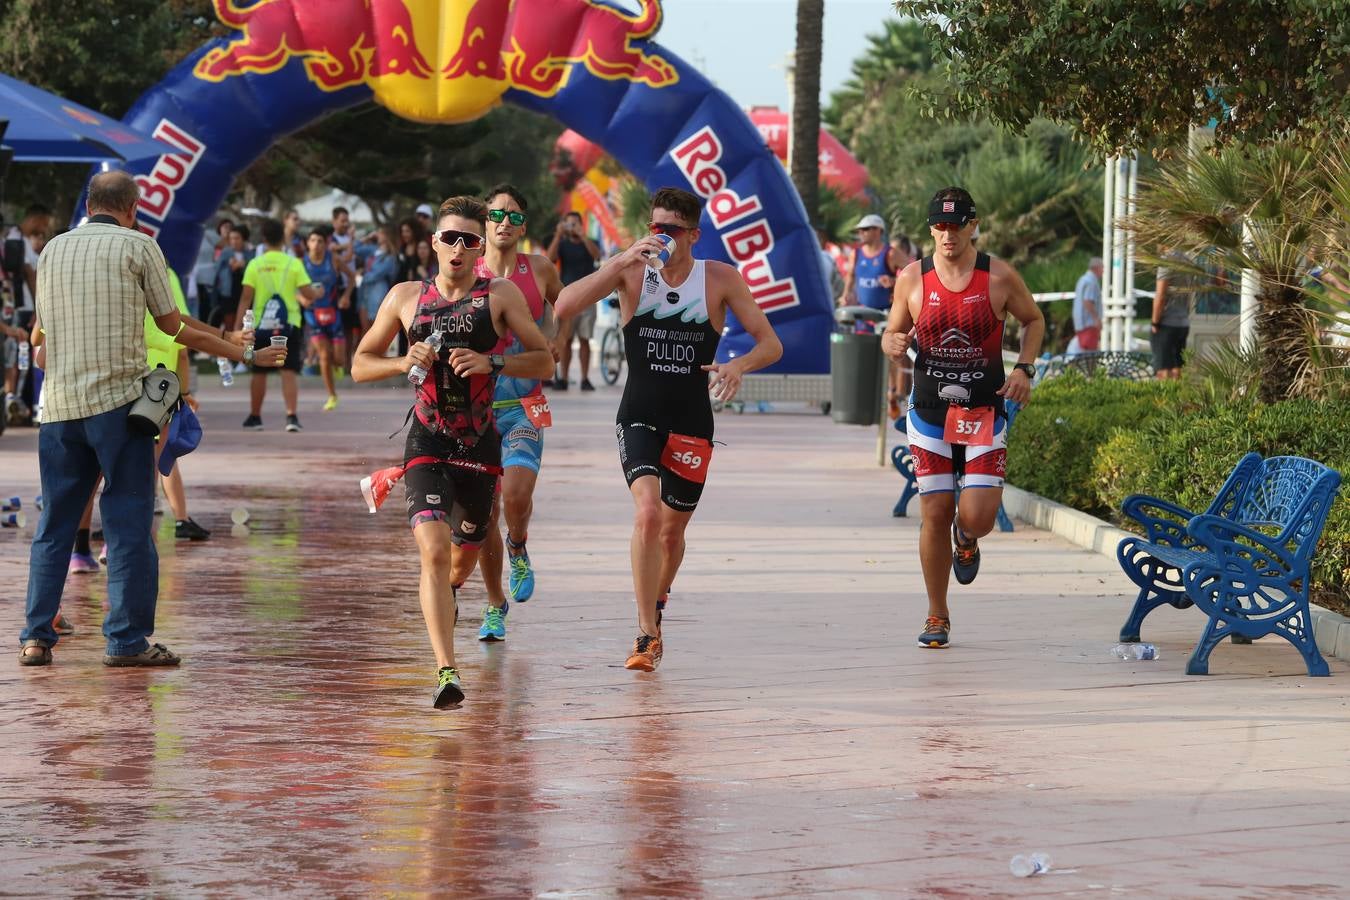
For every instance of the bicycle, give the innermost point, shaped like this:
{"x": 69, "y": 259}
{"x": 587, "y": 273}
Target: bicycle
{"x": 611, "y": 349}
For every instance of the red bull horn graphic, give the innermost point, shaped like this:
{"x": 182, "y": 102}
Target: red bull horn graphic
{"x": 590, "y": 64}
{"x": 446, "y": 61}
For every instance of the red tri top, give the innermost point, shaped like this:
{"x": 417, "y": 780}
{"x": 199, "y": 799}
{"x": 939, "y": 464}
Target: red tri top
{"x": 959, "y": 343}
{"x": 522, "y": 276}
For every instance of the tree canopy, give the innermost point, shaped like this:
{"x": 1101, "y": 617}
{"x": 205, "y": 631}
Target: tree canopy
{"x": 1136, "y": 74}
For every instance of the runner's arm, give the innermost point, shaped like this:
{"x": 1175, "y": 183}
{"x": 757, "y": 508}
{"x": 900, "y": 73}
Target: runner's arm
{"x": 726, "y": 377}
{"x": 552, "y": 288}
{"x": 1023, "y": 307}
{"x": 605, "y": 280}
{"x": 369, "y": 362}
{"x": 511, "y": 314}
{"x": 899, "y": 330}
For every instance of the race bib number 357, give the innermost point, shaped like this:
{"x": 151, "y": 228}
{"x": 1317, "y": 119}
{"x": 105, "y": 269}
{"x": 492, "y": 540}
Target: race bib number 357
{"x": 688, "y": 457}
{"x": 972, "y": 427}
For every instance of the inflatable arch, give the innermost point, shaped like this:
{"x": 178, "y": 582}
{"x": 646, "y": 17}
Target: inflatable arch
{"x": 588, "y": 63}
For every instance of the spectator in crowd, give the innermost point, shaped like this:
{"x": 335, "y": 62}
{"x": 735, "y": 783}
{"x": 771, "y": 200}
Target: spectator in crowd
{"x": 834, "y": 280}
{"x": 381, "y": 273}
{"x": 410, "y": 233}
{"x": 31, "y": 234}
{"x": 342, "y": 244}
{"x": 94, "y": 286}
{"x": 1087, "y": 310}
{"x": 293, "y": 242}
{"x": 875, "y": 262}
{"x": 276, "y": 288}
{"x": 223, "y": 229}
{"x": 575, "y": 256}
{"x": 425, "y": 215}
{"x": 427, "y": 265}
{"x": 1171, "y": 321}
{"x": 230, "y": 270}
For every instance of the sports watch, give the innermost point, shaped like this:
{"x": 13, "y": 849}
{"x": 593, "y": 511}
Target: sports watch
{"x": 1026, "y": 369}
{"x": 248, "y": 356}
{"x": 498, "y": 363}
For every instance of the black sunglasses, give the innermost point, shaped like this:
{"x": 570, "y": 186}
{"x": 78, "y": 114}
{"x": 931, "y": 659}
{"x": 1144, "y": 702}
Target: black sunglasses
{"x": 515, "y": 218}
{"x": 470, "y": 241}
{"x": 669, "y": 228}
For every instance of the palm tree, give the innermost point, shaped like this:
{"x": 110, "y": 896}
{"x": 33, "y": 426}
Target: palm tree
{"x": 805, "y": 147}
{"x": 1259, "y": 208}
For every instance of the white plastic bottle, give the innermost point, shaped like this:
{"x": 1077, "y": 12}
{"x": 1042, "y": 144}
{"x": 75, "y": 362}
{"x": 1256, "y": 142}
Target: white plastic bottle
{"x": 226, "y": 371}
{"x": 1135, "y": 651}
{"x": 417, "y": 374}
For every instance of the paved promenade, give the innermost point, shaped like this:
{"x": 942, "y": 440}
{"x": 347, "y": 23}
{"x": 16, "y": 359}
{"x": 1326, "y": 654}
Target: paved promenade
{"x": 794, "y": 741}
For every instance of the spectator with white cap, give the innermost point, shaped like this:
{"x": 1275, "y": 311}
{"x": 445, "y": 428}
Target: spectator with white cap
{"x": 875, "y": 262}
{"x": 424, "y": 215}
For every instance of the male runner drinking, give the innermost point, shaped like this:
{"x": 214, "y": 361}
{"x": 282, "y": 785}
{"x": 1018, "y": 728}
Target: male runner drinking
{"x": 520, "y": 407}
{"x": 672, "y": 319}
{"x": 453, "y": 455}
{"x": 955, "y": 303}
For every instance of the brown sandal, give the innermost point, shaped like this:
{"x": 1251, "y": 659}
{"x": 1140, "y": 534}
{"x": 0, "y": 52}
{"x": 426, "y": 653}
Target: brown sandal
{"x": 35, "y": 659}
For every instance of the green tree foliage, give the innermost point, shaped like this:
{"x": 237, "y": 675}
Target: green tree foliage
{"x": 102, "y": 54}
{"x": 1264, "y": 209}
{"x": 1038, "y": 198}
{"x": 1134, "y": 74}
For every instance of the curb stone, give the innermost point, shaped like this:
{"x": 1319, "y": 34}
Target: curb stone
{"x": 1331, "y": 630}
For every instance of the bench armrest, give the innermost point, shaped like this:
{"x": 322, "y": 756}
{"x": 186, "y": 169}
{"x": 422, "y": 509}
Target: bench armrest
{"x": 1169, "y": 529}
{"x": 1231, "y": 542}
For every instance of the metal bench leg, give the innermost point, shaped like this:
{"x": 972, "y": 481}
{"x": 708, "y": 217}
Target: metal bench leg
{"x": 1147, "y": 601}
{"x": 1215, "y": 631}
{"x": 904, "y": 464}
{"x": 1295, "y": 629}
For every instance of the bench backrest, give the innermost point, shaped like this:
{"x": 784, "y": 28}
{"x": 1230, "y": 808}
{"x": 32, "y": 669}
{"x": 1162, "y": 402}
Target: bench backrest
{"x": 1287, "y": 495}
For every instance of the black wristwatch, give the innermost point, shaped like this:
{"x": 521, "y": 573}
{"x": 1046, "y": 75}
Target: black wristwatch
{"x": 1026, "y": 369}
{"x": 498, "y": 363}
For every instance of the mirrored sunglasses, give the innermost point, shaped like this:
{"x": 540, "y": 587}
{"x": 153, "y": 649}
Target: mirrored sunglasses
{"x": 470, "y": 241}
{"x": 669, "y": 228}
{"x": 498, "y": 215}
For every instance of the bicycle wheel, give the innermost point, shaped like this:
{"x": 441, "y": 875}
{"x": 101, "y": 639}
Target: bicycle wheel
{"x": 611, "y": 355}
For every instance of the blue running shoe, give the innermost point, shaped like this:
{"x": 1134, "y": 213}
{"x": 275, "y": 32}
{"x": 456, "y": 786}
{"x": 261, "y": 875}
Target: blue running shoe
{"x": 522, "y": 577}
{"x": 965, "y": 557}
{"x": 935, "y": 632}
{"x": 494, "y": 623}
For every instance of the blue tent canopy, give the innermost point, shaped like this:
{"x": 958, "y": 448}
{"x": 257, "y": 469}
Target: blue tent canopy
{"x": 45, "y": 128}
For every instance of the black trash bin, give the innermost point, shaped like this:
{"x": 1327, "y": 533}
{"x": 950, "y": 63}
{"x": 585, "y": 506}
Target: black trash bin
{"x": 857, "y": 367}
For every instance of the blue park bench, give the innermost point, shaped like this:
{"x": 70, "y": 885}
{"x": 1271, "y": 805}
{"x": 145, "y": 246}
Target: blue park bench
{"x": 1245, "y": 561}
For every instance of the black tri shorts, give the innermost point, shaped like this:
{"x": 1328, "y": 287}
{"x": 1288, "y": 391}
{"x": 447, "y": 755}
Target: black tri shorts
{"x": 460, "y": 489}
{"x": 640, "y": 453}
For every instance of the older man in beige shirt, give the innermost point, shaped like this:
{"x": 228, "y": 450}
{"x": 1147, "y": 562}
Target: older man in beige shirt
{"x": 94, "y": 285}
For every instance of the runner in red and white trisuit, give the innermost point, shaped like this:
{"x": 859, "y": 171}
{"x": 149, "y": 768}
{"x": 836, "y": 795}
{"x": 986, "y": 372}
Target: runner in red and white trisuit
{"x": 952, "y": 305}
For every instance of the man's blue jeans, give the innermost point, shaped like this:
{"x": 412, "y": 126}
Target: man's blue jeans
{"x": 71, "y": 454}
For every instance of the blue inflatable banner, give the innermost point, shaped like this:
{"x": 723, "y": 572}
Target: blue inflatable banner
{"x": 590, "y": 64}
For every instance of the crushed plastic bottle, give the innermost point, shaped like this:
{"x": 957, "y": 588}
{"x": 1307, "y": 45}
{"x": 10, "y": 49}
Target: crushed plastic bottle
{"x": 417, "y": 374}
{"x": 1135, "y": 651}
{"x": 1024, "y": 865}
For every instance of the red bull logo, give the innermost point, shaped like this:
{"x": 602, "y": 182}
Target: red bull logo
{"x": 440, "y": 60}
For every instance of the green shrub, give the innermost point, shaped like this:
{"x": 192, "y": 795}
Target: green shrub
{"x": 1185, "y": 455}
{"x": 1090, "y": 443}
{"x": 1054, "y": 443}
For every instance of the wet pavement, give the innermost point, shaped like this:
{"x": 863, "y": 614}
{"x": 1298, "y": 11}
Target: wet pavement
{"x": 794, "y": 742}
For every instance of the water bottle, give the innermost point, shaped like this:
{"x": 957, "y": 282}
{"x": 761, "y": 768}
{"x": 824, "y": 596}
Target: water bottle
{"x": 417, "y": 374}
{"x": 1024, "y": 866}
{"x": 1134, "y": 651}
{"x": 13, "y": 504}
{"x": 23, "y": 356}
{"x": 226, "y": 371}
{"x": 248, "y": 323}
